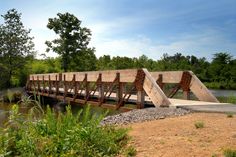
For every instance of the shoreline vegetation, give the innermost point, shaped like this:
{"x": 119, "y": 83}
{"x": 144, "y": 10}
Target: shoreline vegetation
{"x": 61, "y": 134}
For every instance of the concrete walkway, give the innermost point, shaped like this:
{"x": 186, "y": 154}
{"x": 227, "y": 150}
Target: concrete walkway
{"x": 219, "y": 108}
{"x": 203, "y": 106}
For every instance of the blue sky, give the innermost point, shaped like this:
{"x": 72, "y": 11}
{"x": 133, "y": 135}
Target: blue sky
{"x": 132, "y": 28}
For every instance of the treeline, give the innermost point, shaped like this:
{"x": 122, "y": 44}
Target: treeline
{"x": 17, "y": 55}
{"x": 220, "y": 73}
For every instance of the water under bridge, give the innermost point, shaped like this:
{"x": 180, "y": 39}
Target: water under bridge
{"x": 123, "y": 89}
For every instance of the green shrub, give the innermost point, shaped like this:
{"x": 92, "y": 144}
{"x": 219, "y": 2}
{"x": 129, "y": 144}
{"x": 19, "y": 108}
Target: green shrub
{"x": 230, "y": 152}
{"x": 62, "y": 134}
{"x": 199, "y": 124}
{"x": 230, "y": 115}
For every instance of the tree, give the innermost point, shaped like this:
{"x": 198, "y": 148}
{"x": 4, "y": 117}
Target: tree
{"x": 15, "y": 44}
{"x": 85, "y": 61}
{"x": 72, "y": 40}
{"x": 220, "y": 68}
{"x": 104, "y": 63}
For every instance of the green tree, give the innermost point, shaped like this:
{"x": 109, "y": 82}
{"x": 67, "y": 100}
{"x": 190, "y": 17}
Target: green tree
{"x": 219, "y": 68}
{"x": 16, "y": 45}
{"x": 84, "y": 61}
{"x": 73, "y": 39}
{"x": 104, "y": 63}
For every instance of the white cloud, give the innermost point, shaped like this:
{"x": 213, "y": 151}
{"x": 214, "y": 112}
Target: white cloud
{"x": 201, "y": 45}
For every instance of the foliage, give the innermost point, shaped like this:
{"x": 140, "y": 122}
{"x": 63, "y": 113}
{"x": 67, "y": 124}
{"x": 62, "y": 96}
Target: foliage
{"x": 85, "y": 61}
{"x": 16, "y": 45}
{"x": 229, "y": 99}
{"x": 3, "y": 74}
{"x": 60, "y": 135}
{"x": 199, "y": 124}
{"x": 73, "y": 39}
{"x": 230, "y": 152}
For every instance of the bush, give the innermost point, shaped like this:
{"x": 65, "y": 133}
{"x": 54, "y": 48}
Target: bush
{"x": 230, "y": 115}
{"x": 230, "y": 153}
{"x": 199, "y": 124}
{"x": 60, "y": 135}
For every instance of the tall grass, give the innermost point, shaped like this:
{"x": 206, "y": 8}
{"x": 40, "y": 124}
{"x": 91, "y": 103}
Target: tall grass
{"x": 63, "y": 134}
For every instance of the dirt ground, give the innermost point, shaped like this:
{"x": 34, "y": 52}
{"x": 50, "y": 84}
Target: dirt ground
{"x": 178, "y": 137}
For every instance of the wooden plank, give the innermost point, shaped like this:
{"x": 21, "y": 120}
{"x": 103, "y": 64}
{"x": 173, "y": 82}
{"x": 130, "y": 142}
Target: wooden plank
{"x": 154, "y": 92}
{"x": 168, "y": 76}
{"x": 200, "y": 90}
{"x": 107, "y": 76}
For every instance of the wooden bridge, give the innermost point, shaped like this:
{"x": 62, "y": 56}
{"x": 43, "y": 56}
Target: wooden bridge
{"x": 121, "y": 89}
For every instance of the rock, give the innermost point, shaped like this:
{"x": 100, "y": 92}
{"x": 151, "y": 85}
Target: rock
{"x": 141, "y": 115}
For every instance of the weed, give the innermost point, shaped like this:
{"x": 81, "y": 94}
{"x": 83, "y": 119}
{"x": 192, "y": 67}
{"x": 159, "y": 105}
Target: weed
{"x": 230, "y": 115}
{"x": 130, "y": 151}
{"x": 199, "y": 124}
{"x": 230, "y": 152}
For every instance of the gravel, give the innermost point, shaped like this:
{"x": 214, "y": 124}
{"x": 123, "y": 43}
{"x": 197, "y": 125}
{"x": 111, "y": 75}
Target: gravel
{"x": 141, "y": 115}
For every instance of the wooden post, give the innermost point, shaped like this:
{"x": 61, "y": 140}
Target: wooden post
{"x": 160, "y": 81}
{"x": 186, "y": 94}
{"x": 34, "y": 84}
{"x": 43, "y": 85}
{"x": 119, "y": 92}
{"x": 100, "y": 89}
{"x": 57, "y": 88}
{"x": 65, "y": 87}
{"x": 139, "y": 86}
{"x": 86, "y": 87}
{"x": 75, "y": 87}
{"x": 38, "y": 85}
{"x": 140, "y": 99}
{"x": 185, "y": 84}
{"x": 49, "y": 84}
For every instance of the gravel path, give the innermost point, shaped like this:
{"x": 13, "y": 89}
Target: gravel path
{"x": 141, "y": 115}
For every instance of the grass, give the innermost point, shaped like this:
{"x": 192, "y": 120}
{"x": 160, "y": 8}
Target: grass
{"x": 61, "y": 134}
{"x": 230, "y": 152}
{"x": 199, "y": 124}
{"x": 229, "y": 99}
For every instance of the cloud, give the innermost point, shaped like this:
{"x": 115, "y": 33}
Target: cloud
{"x": 204, "y": 44}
